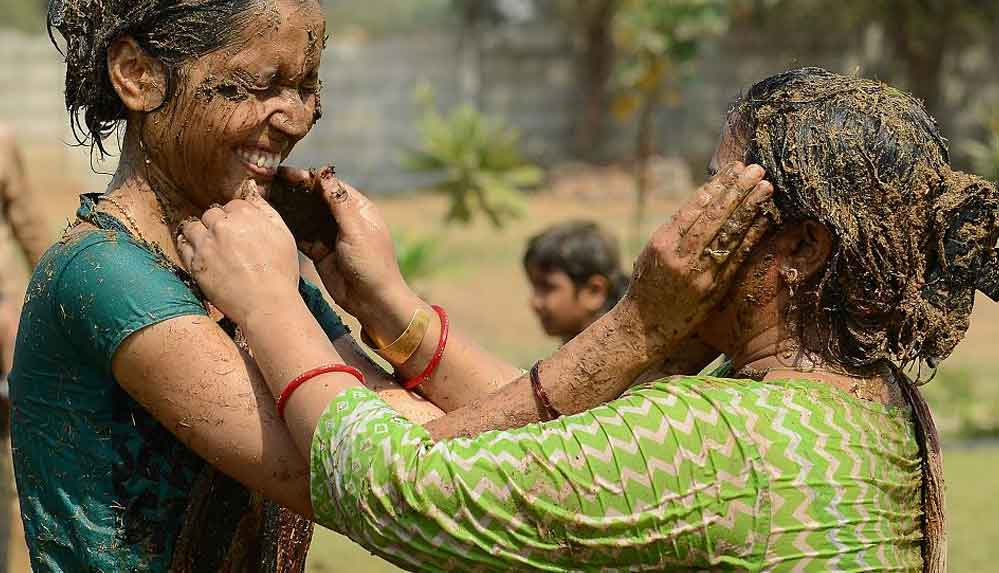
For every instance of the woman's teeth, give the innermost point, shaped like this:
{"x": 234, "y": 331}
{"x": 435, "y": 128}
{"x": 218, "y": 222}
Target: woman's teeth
{"x": 261, "y": 159}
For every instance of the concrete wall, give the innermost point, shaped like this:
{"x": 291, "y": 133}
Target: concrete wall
{"x": 525, "y": 75}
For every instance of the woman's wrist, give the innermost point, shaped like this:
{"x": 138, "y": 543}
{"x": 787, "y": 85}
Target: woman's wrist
{"x": 389, "y": 315}
{"x": 649, "y": 337}
{"x": 263, "y": 314}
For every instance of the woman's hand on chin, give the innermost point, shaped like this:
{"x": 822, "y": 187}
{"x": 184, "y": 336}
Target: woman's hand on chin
{"x": 242, "y": 256}
{"x": 690, "y": 262}
{"x": 362, "y": 273}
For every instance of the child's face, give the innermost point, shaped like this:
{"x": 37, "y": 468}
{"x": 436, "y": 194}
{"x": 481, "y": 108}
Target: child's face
{"x": 556, "y": 301}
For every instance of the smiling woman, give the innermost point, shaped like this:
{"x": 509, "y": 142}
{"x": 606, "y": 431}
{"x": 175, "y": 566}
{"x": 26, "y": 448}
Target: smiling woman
{"x": 145, "y": 438}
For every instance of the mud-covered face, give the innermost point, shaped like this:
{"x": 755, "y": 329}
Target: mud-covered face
{"x": 240, "y": 110}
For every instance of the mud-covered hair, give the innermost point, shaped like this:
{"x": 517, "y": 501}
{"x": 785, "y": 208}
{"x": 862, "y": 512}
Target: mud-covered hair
{"x": 582, "y": 250}
{"x": 913, "y": 238}
{"x": 172, "y": 31}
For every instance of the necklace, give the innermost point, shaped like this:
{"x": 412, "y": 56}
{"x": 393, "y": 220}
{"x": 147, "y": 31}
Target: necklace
{"x": 126, "y": 214}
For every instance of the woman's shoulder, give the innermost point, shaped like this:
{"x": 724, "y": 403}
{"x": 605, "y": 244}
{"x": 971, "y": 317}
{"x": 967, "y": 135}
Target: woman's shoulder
{"x": 83, "y": 247}
{"x": 90, "y": 255}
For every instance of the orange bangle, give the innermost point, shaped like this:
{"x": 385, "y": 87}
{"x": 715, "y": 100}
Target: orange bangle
{"x": 309, "y": 375}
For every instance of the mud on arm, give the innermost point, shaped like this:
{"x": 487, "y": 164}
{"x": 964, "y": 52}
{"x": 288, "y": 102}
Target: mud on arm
{"x": 193, "y": 378}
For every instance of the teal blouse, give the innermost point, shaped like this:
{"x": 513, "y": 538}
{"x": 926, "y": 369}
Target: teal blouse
{"x": 103, "y": 486}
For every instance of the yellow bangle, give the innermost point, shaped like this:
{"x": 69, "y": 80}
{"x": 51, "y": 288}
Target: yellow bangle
{"x": 403, "y": 348}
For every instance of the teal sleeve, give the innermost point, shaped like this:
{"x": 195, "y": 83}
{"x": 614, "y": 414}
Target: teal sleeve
{"x": 641, "y": 481}
{"x": 108, "y": 287}
{"x": 324, "y": 313}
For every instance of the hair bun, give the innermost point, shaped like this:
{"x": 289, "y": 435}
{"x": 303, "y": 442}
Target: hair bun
{"x": 965, "y": 233}
{"x": 965, "y": 226}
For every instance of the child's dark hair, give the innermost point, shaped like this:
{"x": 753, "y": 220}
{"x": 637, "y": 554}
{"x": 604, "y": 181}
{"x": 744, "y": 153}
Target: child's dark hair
{"x": 582, "y": 250}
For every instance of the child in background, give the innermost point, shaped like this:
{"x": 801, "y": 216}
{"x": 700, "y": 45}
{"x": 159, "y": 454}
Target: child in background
{"x": 575, "y": 273}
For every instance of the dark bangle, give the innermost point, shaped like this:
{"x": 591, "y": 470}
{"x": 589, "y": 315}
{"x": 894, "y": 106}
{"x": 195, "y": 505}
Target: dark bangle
{"x": 541, "y": 396}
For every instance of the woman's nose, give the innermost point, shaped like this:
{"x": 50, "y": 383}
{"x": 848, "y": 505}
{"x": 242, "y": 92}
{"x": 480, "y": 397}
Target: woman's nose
{"x": 293, "y": 116}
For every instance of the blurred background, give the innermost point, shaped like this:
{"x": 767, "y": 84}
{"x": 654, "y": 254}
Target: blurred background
{"x": 477, "y": 123}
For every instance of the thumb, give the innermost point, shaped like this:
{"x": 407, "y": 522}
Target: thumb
{"x": 248, "y": 192}
{"x": 343, "y": 200}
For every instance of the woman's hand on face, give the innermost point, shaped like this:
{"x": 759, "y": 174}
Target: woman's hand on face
{"x": 242, "y": 256}
{"x": 690, "y": 262}
{"x": 363, "y": 272}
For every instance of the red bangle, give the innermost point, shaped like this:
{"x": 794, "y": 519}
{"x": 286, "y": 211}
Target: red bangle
{"x": 438, "y": 354}
{"x": 309, "y": 375}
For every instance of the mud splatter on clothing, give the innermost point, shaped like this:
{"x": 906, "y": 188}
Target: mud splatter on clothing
{"x": 685, "y": 474}
{"x": 104, "y": 486}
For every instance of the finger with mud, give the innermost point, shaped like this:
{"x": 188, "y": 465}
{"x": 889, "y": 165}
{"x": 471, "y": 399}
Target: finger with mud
{"x": 194, "y": 231}
{"x": 741, "y": 253}
{"x": 213, "y": 216}
{"x": 186, "y": 251}
{"x": 691, "y": 211}
{"x": 724, "y": 204}
{"x": 730, "y": 234}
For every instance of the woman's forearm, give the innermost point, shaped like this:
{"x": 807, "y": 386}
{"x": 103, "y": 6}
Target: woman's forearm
{"x": 595, "y": 367}
{"x": 466, "y": 372}
{"x": 484, "y": 393}
{"x": 286, "y": 341}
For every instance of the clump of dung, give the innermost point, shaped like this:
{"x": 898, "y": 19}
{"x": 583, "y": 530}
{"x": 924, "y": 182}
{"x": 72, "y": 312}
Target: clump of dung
{"x": 914, "y": 238}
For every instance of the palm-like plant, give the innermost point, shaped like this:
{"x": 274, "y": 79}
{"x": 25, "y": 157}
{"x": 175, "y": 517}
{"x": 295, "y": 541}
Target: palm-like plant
{"x": 478, "y": 163}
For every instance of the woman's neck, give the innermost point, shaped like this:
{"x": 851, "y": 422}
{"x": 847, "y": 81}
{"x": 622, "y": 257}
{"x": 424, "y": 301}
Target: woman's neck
{"x": 773, "y": 354}
{"x": 144, "y": 197}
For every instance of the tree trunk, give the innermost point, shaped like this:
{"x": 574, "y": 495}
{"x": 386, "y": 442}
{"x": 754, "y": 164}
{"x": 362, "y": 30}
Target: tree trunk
{"x": 922, "y": 34}
{"x": 645, "y": 150}
{"x": 595, "y": 68}
{"x": 470, "y": 54}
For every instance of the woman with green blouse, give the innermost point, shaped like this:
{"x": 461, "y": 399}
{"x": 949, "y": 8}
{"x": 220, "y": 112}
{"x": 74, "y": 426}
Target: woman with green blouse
{"x": 811, "y": 452}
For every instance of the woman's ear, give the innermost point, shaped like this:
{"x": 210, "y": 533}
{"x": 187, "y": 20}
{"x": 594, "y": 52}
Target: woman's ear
{"x": 805, "y": 247}
{"x": 138, "y": 78}
{"x": 594, "y": 293}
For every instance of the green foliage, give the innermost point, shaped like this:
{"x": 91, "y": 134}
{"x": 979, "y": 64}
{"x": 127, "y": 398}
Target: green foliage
{"x": 415, "y": 257}
{"x": 655, "y": 39}
{"x": 965, "y": 403}
{"x": 477, "y": 160}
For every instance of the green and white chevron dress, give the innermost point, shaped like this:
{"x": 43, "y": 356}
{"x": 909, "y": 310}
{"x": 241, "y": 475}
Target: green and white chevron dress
{"x": 685, "y": 474}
